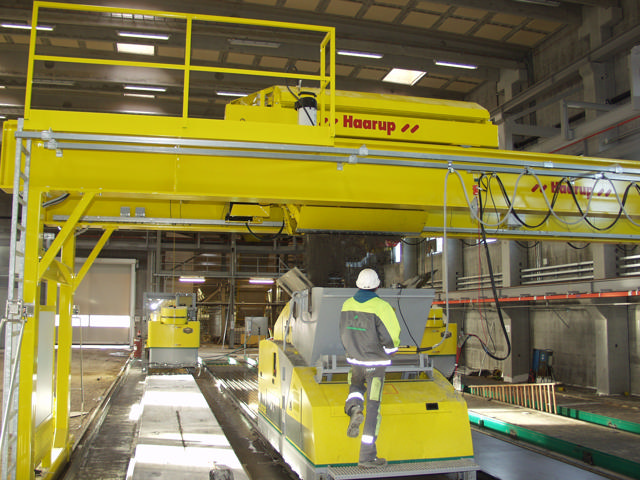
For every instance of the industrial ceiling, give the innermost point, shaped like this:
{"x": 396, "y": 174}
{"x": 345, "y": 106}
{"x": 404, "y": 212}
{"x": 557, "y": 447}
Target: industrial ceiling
{"x": 485, "y": 36}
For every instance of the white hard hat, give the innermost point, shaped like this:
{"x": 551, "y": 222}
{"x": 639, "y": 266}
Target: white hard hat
{"x": 368, "y": 279}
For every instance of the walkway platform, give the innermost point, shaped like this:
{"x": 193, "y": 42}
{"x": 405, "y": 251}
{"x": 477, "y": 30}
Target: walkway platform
{"x": 179, "y": 437}
{"x": 590, "y": 444}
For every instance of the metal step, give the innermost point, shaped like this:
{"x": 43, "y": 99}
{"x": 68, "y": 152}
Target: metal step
{"x": 466, "y": 466}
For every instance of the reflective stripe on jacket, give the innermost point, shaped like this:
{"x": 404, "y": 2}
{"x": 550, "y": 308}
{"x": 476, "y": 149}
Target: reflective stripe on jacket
{"x": 369, "y": 330}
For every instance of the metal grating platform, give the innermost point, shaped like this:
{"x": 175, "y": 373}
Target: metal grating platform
{"x": 467, "y": 466}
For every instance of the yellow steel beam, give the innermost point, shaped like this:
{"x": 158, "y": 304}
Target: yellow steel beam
{"x": 63, "y": 363}
{"x": 119, "y": 124}
{"x": 68, "y": 229}
{"x": 329, "y": 191}
{"x": 92, "y": 256}
{"x": 26, "y": 452}
{"x": 58, "y": 273}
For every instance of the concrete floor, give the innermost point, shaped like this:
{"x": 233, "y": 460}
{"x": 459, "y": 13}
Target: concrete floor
{"x": 100, "y": 367}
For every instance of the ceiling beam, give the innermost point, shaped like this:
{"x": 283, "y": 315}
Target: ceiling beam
{"x": 595, "y": 3}
{"x": 350, "y": 28}
{"x": 564, "y": 13}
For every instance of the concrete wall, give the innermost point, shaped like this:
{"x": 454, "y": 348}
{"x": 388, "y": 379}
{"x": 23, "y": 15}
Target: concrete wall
{"x": 634, "y": 350}
{"x": 572, "y": 330}
{"x": 569, "y": 331}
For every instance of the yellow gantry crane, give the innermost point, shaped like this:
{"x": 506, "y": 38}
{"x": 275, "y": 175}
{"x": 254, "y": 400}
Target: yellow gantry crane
{"x": 369, "y": 163}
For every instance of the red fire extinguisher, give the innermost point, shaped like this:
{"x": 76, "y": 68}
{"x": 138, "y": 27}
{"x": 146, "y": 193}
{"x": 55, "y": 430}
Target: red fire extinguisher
{"x": 137, "y": 346}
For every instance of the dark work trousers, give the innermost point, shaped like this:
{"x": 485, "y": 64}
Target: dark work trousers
{"x": 366, "y": 382}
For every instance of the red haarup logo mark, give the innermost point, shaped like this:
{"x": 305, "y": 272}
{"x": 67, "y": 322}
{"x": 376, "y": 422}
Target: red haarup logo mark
{"x": 413, "y": 129}
{"x": 577, "y": 189}
{"x": 349, "y": 121}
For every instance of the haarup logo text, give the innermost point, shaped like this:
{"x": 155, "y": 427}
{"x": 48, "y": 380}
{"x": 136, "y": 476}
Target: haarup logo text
{"x": 349, "y": 121}
{"x": 577, "y": 189}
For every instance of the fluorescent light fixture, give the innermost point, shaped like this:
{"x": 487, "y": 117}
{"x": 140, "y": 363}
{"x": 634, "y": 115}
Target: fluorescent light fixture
{"x": 136, "y": 48}
{"x": 404, "y": 77}
{"x": 456, "y": 65}
{"x": 261, "y": 281}
{"x": 231, "y": 94}
{"x": 148, "y": 36}
{"x": 2, "y": 86}
{"x": 2, "y": 117}
{"x": 350, "y": 53}
{"x": 24, "y": 26}
{"x": 191, "y": 279}
{"x": 144, "y": 88}
{"x": 253, "y": 43}
{"x": 139, "y": 95}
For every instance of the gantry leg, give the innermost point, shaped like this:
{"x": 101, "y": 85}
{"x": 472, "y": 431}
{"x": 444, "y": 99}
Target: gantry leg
{"x": 25, "y": 453}
{"x": 65, "y": 336}
{"x": 43, "y": 421}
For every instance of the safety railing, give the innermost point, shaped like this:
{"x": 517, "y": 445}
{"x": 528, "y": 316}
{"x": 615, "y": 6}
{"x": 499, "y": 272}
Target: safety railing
{"x": 537, "y": 396}
{"x": 629, "y": 266}
{"x": 219, "y": 265}
{"x": 182, "y": 25}
{"x": 478, "y": 281}
{"x": 557, "y": 273}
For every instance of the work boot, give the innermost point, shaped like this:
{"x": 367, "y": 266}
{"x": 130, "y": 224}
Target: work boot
{"x": 375, "y": 463}
{"x": 356, "y": 418}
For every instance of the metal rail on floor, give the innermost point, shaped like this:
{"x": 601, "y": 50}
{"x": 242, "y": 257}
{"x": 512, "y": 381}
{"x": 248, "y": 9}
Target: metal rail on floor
{"x": 587, "y": 455}
{"x": 537, "y": 396}
{"x": 615, "y": 423}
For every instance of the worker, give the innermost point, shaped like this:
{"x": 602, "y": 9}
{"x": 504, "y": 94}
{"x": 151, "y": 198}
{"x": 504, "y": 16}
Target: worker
{"x": 370, "y": 334}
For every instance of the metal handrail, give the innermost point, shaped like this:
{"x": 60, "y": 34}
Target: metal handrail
{"x": 537, "y": 396}
{"x": 326, "y": 77}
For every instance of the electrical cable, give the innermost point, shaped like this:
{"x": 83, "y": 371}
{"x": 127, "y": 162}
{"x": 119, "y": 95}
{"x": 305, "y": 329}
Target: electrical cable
{"x": 265, "y": 238}
{"x": 418, "y": 349}
{"x": 422, "y": 240}
{"x": 56, "y": 201}
{"x": 579, "y": 248}
{"x": 295, "y": 70}
{"x": 495, "y": 296}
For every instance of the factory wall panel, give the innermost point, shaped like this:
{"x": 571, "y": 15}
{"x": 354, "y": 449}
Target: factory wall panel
{"x": 105, "y": 303}
{"x": 569, "y": 331}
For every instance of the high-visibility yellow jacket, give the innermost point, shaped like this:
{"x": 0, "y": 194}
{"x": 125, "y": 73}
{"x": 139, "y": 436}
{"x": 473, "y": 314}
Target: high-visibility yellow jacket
{"x": 369, "y": 329}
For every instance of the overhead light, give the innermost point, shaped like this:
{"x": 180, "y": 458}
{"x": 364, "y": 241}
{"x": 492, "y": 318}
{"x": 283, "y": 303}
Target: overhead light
{"x": 231, "y": 94}
{"x": 139, "y": 95}
{"x": 404, "y": 77}
{"x": 2, "y": 86}
{"x": 253, "y": 43}
{"x": 148, "y": 36}
{"x": 350, "y": 53}
{"x": 144, "y": 88}
{"x": 2, "y": 117}
{"x": 546, "y": 3}
{"x": 137, "y": 48}
{"x": 140, "y": 112}
{"x": 191, "y": 279}
{"x": 456, "y": 65}
{"x": 24, "y": 26}
{"x": 262, "y": 281}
